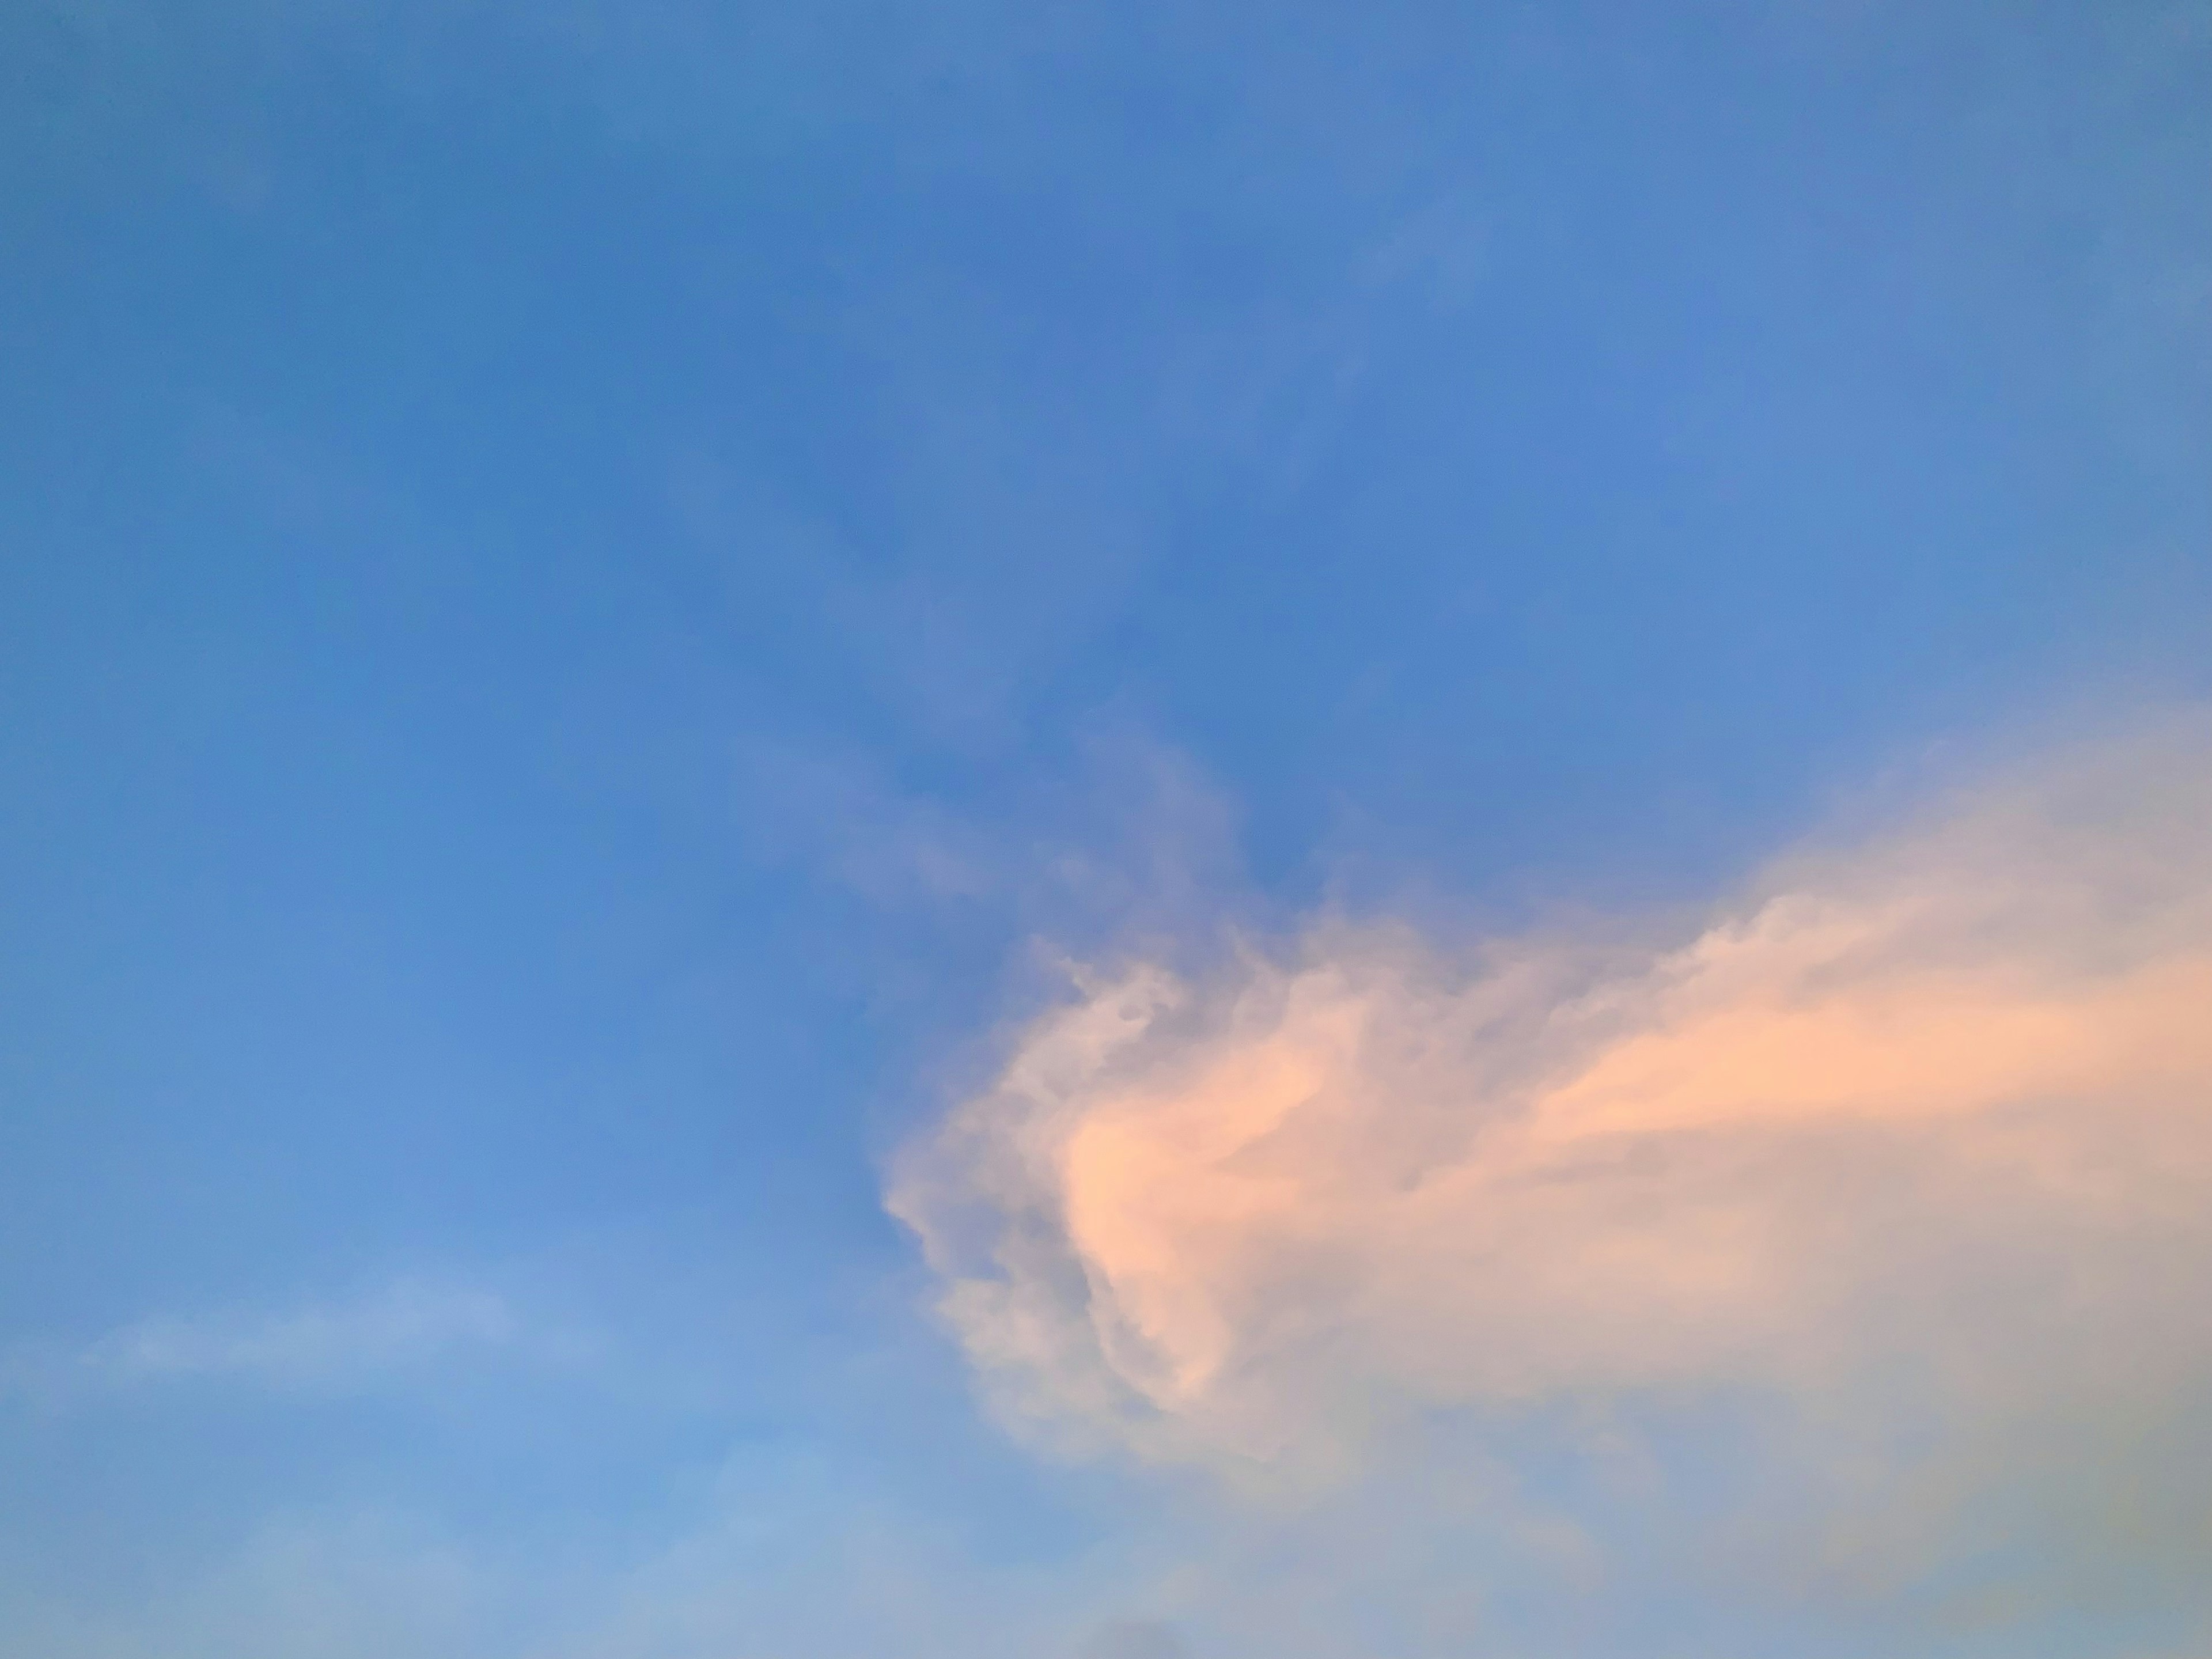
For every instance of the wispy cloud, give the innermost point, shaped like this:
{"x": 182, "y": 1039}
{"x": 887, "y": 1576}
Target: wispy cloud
{"x": 1126, "y": 834}
{"x": 392, "y": 1330}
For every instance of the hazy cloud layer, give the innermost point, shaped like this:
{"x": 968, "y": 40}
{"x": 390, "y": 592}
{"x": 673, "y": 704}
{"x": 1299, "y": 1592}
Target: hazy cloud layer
{"x": 1916, "y": 1132}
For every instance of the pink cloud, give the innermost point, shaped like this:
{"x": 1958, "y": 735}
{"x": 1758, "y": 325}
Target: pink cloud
{"x": 1939, "y": 1104}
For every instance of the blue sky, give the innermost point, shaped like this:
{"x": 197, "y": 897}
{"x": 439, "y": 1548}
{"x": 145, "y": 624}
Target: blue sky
{"x": 597, "y": 602}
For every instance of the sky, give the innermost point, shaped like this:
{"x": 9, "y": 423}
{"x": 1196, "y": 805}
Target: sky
{"x": 1060, "y": 831}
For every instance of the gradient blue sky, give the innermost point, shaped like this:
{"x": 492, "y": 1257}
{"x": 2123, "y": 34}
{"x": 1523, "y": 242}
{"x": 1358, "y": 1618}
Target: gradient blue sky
{"x": 589, "y": 593}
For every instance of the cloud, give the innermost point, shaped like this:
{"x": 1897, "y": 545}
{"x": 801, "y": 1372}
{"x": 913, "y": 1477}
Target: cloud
{"x": 398, "y": 1328}
{"x": 1909, "y": 1141}
{"x": 1123, "y": 833}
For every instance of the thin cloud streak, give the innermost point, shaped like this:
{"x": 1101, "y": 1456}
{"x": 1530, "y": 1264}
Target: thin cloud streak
{"x": 399, "y": 1326}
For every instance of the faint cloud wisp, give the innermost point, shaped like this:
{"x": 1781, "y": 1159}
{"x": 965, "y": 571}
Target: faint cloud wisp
{"x": 339, "y": 1346}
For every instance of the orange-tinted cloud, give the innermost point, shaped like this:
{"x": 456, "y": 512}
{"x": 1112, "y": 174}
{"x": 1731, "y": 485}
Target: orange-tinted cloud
{"x": 1938, "y": 1105}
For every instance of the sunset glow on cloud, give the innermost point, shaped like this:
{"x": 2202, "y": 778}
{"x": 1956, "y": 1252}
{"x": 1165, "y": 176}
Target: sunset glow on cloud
{"x": 1943, "y": 1099}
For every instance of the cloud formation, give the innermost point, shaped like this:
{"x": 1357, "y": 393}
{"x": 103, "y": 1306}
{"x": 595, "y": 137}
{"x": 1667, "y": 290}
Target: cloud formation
{"x": 402, "y": 1325}
{"x": 1921, "y": 1125}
